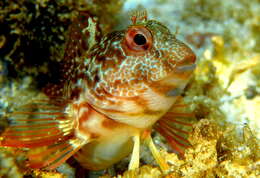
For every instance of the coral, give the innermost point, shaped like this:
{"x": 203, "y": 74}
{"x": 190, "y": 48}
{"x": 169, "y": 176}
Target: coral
{"x": 201, "y": 158}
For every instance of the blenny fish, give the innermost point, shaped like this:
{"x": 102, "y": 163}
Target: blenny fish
{"x": 114, "y": 90}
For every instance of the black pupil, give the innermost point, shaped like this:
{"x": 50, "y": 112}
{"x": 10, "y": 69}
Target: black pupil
{"x": 139, "y": 39}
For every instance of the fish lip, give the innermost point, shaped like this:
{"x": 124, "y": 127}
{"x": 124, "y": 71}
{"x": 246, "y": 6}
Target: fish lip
{"x": 186, "y": 68}
{"x": 178, "y": 83}
{"x": 178, "y": 69}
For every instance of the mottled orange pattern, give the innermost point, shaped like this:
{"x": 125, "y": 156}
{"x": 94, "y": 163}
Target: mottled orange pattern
{"x": 112, "y": 91}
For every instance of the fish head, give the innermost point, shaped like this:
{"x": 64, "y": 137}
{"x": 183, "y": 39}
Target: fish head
{"x": 135, "y": 75}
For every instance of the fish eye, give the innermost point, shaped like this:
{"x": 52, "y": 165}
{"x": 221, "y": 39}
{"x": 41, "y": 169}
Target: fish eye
{"x": 138, "y": 40}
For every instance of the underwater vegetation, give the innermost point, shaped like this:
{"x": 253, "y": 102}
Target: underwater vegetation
{"x": 223, "y": 93}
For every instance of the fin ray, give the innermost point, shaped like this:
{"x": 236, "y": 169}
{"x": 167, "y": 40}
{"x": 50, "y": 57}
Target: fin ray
{"x": 54, "y": 155}
{"x": 175, "y": 126}
{"x": 44, "y": 127}
{"x": 26, "y": 128}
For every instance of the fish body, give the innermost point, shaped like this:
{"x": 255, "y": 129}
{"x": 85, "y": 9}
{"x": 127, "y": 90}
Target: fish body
{"x": 107, "y": 141}
{"x": 113, "y": 90}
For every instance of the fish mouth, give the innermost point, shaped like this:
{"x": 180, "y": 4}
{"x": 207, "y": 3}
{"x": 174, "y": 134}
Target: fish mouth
{"x": 185, "y": 68}
{"x": 176, "y": 80}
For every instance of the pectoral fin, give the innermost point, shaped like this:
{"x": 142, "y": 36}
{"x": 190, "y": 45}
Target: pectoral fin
{"x": 46, "y": 129}
{"x": 50, "y": 157}
{"x": 175, "y": 126}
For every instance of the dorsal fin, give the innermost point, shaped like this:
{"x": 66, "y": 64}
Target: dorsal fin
{"x": 83, "y": 34}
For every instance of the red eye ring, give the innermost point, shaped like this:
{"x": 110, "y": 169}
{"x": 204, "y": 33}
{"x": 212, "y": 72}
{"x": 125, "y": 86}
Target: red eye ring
{"x": 138, "y": 40}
